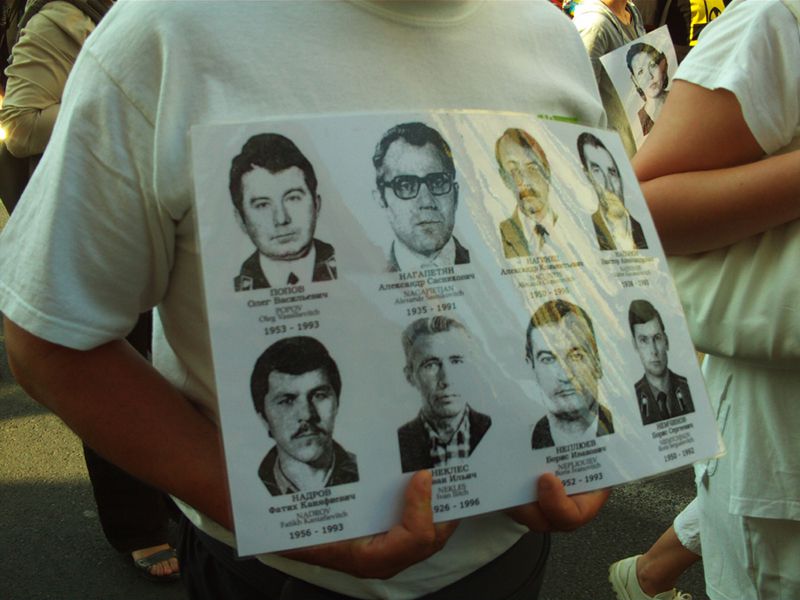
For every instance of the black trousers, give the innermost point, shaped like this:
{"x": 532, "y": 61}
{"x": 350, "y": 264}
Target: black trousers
{"x": 210, "y": 570}
{"x": 132, "y": 514}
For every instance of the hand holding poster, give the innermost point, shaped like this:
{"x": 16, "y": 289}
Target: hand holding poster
{"x": 478, "y": 294}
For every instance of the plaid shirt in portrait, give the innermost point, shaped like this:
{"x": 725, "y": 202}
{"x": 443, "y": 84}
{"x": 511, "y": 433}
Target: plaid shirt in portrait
{"x": 457, "y": 447}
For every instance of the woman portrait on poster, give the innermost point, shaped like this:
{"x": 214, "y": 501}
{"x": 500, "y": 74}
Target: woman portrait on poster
{"x": 648, "y": 67}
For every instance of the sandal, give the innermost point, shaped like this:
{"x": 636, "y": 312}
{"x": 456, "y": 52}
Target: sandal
{"x": 143, "y": 566}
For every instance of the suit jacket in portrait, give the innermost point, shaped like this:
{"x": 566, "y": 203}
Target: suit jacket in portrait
{"x": 345, "y": 469}
{"x": 251, "y": 277}
{"x": 645, "y": 121}
{"x": 678, "y": 400}
{"x": 462, "y": 257}
{"x": 543, "y": 438}
{"x": 606, "y": 240}
{"x": 515, "y": 244}
{"x": 415, "y": 452}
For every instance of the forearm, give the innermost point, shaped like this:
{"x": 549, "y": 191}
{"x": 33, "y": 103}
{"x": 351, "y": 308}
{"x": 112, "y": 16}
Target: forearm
{"x": 704, "y": 175}
{"x": 698, "y": 211}
{"x": 41, "y": 62}
{"x": 28, "y": 129}
{"x": 125, "y": 410}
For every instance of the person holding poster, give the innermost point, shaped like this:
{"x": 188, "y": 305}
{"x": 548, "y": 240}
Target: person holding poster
{"x": 722, "y": 185}
{"x": 615, "y": 228}
{"x": 127, "y": 240}
{"x": 525, "y": 170}
{"x": 604, "y": 26}
{"x": 648, "y": 67}
{"x": 562, "y": 351}
{"x": 274, "y": 191}
{"x": 686, "y": 19}
{"x": 447, "y": 429}
{"x": 660, "y": 393}
{"x": 296, "y": 389}
{"x": 415, "y": 177}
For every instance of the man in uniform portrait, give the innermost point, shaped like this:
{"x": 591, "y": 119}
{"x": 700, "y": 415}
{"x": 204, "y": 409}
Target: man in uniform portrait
{"x": 415, "y": 179}
{"x": 296, "y": 386}
{"x": 660, "y": 393}
{"x": 616, "y": 229}
{"x": 274, "y": 190}
{"x": 525, "y": 170}
{"x": 562, "y": 350}
{"x": 439, "y": 365}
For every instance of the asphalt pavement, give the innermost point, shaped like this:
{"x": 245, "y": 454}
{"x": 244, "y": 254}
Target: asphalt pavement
{"x": 52, "y": 547}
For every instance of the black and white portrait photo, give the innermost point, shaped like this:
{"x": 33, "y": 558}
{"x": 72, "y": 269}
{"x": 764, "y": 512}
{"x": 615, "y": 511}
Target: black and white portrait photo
{"x": 296, "y": 387}
{"x": 649, "y": 73}
{"x": 470, "y": 335}
{"x": 440, "y": 367}
{"x": 561, "y": 349}
{"x": 274, "y": 191}
{"x": 525, "y": 170}
{"x": 614, "y": 227}
{"x": 640, "y": 72}
{"x": 416, "y": 187}
{"x": 660, "y": 393}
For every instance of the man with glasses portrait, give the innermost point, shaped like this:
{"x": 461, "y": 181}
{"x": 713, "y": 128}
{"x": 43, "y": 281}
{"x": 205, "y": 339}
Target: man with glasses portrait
{"x": 415, "y": 178}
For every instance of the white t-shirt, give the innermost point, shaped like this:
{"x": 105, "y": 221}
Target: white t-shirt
{"x": 106, "y": 228}
{"x": 742, "y": 301}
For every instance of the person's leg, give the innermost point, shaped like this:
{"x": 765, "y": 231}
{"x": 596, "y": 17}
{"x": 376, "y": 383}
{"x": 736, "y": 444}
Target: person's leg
{"x": 211, "y": 571}
{"x": 772, "y": 556}
{"x": 673, "y": 553}
{"x": 723, "y": 540}
{"x": 687, "y": 527}
{"x": 659, "y": 568}
{"x": 133, "y": 515}
{"x": 655, "y": 573}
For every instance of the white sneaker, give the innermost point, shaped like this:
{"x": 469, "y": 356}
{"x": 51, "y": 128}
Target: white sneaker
{"x": 622, "y": 575}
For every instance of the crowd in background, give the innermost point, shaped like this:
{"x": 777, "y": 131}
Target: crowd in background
{"x": 720, "y": 182}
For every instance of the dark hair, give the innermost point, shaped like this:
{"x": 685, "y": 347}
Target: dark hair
{"x": 641, "y": 311}
{"x": 417, "y": 135}
{"x": 554, "y": 311}
{"x": 589, "y": 139}
{"x": 292, "y": 356}
{"x": 524, "y": 140}
{"x": 654, "y": 53}
{"x": 272, "y": 152}
{"x": 426, "y": 326}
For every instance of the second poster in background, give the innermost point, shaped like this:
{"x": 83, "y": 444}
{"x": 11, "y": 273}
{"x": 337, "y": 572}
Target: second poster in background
{"x": 642, "y": 73}
{"x": 479, "y": 294}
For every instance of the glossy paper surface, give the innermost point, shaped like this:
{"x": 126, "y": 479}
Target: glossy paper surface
{"x": 460, "y": 268}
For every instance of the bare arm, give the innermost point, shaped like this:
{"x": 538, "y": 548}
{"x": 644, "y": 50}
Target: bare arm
{"x": 125, "y": 410}
{"x": 702, "y": 176}
{"x": 42, "y": 60}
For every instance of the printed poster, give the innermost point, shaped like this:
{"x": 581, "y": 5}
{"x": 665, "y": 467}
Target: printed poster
{"x": 479, "y": 294}
{"x": 642, "y": 73}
